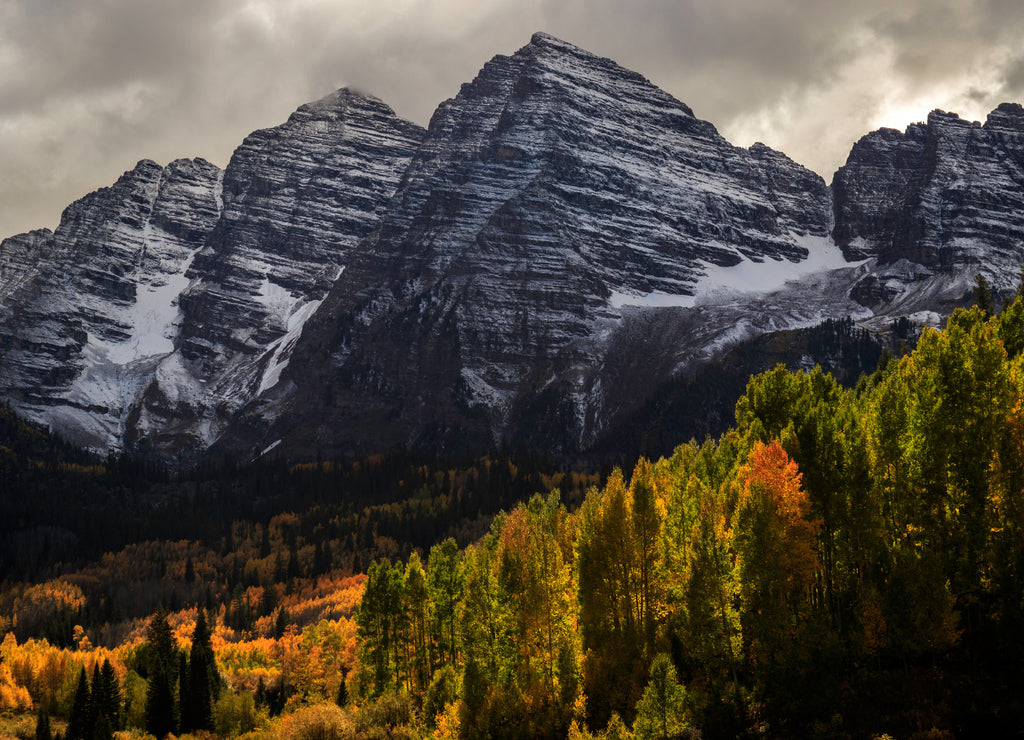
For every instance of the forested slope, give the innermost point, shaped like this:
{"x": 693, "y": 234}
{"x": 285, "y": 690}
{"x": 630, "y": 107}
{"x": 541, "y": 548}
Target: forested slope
{"x": 843, "y": 562}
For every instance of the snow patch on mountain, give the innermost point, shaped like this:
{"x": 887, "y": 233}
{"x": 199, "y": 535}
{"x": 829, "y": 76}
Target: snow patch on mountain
{"x": 748, "y": 276}
{"x": 280, "y": 351}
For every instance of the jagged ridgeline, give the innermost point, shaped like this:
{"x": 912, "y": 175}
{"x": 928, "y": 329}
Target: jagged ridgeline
{"x": 564, "y": 245}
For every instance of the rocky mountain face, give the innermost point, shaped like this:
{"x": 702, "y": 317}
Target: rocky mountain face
{"x": 162, "y": 303}
{"x": 561, "y": 242}
{"x": 297, "y": 200}
{"x": 87, "y": 308}
{"x": 556, "y": 188}
{"x": 933, "y": 206}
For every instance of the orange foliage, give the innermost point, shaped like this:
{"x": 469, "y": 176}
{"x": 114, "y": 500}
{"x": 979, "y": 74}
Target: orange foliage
{"x": 43, "y": 601}
{"x": 41, "y": 670}
{"x": 781, "y": 539}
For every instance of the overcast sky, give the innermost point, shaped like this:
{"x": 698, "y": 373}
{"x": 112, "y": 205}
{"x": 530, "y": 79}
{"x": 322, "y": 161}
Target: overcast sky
{"x": 89, "y": 87}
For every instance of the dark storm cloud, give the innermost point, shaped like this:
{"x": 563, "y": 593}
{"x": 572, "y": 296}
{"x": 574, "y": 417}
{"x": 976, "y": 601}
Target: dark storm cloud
{"x": 88, "y": 87}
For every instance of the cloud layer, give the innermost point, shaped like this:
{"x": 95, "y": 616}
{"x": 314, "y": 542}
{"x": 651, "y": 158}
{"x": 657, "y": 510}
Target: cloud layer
{"x": 88, "y": 87}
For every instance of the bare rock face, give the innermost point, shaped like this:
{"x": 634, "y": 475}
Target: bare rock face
{"x": 89, "y": 309}
{"x": 946, "y": 195}
{"x": 162, "y": 303}
{"x": 554, "y": 187}
{"x": 297, "y": 200}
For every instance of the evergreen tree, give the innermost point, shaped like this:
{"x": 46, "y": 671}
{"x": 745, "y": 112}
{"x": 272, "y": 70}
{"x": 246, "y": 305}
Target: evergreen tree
{"x": 110, "y": 702}
{"x": 161, "y": 708}
{"x": 261, "y": 693}
{"x": 95, "y": 700}
{"x": 202, "y": 676}
{"x": 43, "y": 731}
{"x": 187, "y": 716}
{"x": 102, "y": 731}
{"x": 281, "y": 623}
{"x": 78, "y": 718}
{"x": 341, "y": 698}
{"x": 982, "y": 294}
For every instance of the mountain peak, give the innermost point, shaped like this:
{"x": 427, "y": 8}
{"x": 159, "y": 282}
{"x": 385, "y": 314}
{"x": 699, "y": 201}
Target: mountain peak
{"x": 340, "y": 103}
{"x": 546, "y": 40}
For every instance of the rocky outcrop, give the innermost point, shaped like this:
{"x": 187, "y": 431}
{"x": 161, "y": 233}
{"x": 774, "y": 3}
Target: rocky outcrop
{"x": 87, "y": 309}
{"x": 297, "y": 199}
{"x": 946, "y": 195}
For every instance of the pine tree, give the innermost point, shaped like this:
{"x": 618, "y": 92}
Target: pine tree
{"x": 202, "y": 676}
{"x": 982, "y": 294}
{"x": 341, "y": 699}
{"x": 78, "y": 718}
{"x": 161, "y": 709}
{"x": 187, "y": 714}
{"x": 95, "y": 701}
{"x": 43, "y": 731}
{"x": 281, "y": 623}
{"x": 102, "y": 730}
{"x": 261, "y": 693}
{"x": 110, "y": 706}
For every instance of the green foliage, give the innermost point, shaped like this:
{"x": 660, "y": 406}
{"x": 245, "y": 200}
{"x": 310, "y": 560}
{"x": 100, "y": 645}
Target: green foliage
{"x": 106, "y": 697}
{"x": 982, "y": 294}
{"x": 443, "y": 691}
{"x": 389, "y": 716}
{"x": 79, "y": 727}
{"x": 661, "y": 712}
{"x": 341, "y": 696}
{"x": 203, "y": 682}
{"x": 134, "y": 700}
{"x": 380, "y": 622}
{"x": 43, "y": 731}
{"x": 830, "y": 561}
{"x": 445, "y": 581}
{"x": 1010, "y": 327}
{"x": 236, "y": 714}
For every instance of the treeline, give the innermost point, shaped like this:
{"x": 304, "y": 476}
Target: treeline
{"x": 841, "y": 563}
{"x": 347, "y": 516}
{"x": 55, "y": 513}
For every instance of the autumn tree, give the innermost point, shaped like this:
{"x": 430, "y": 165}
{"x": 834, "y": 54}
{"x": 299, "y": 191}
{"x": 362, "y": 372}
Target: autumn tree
{"x": 379, "y": 621}
{"x": 775, "y": 545}
{"x": 607, "y": 593}
{"x": 445, "y": 581}
{"x": 417, "y": 608}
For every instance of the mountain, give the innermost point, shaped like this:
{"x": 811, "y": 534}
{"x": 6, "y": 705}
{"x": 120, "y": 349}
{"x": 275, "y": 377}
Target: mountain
{"x": 933, "y": 206}
{"x": 164, "y": 302}
{"x": 298, "y": 199}
{"x": 87, "y": 308}
{"x": 563, "y": 243}
{"x": 494, "y": 301}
